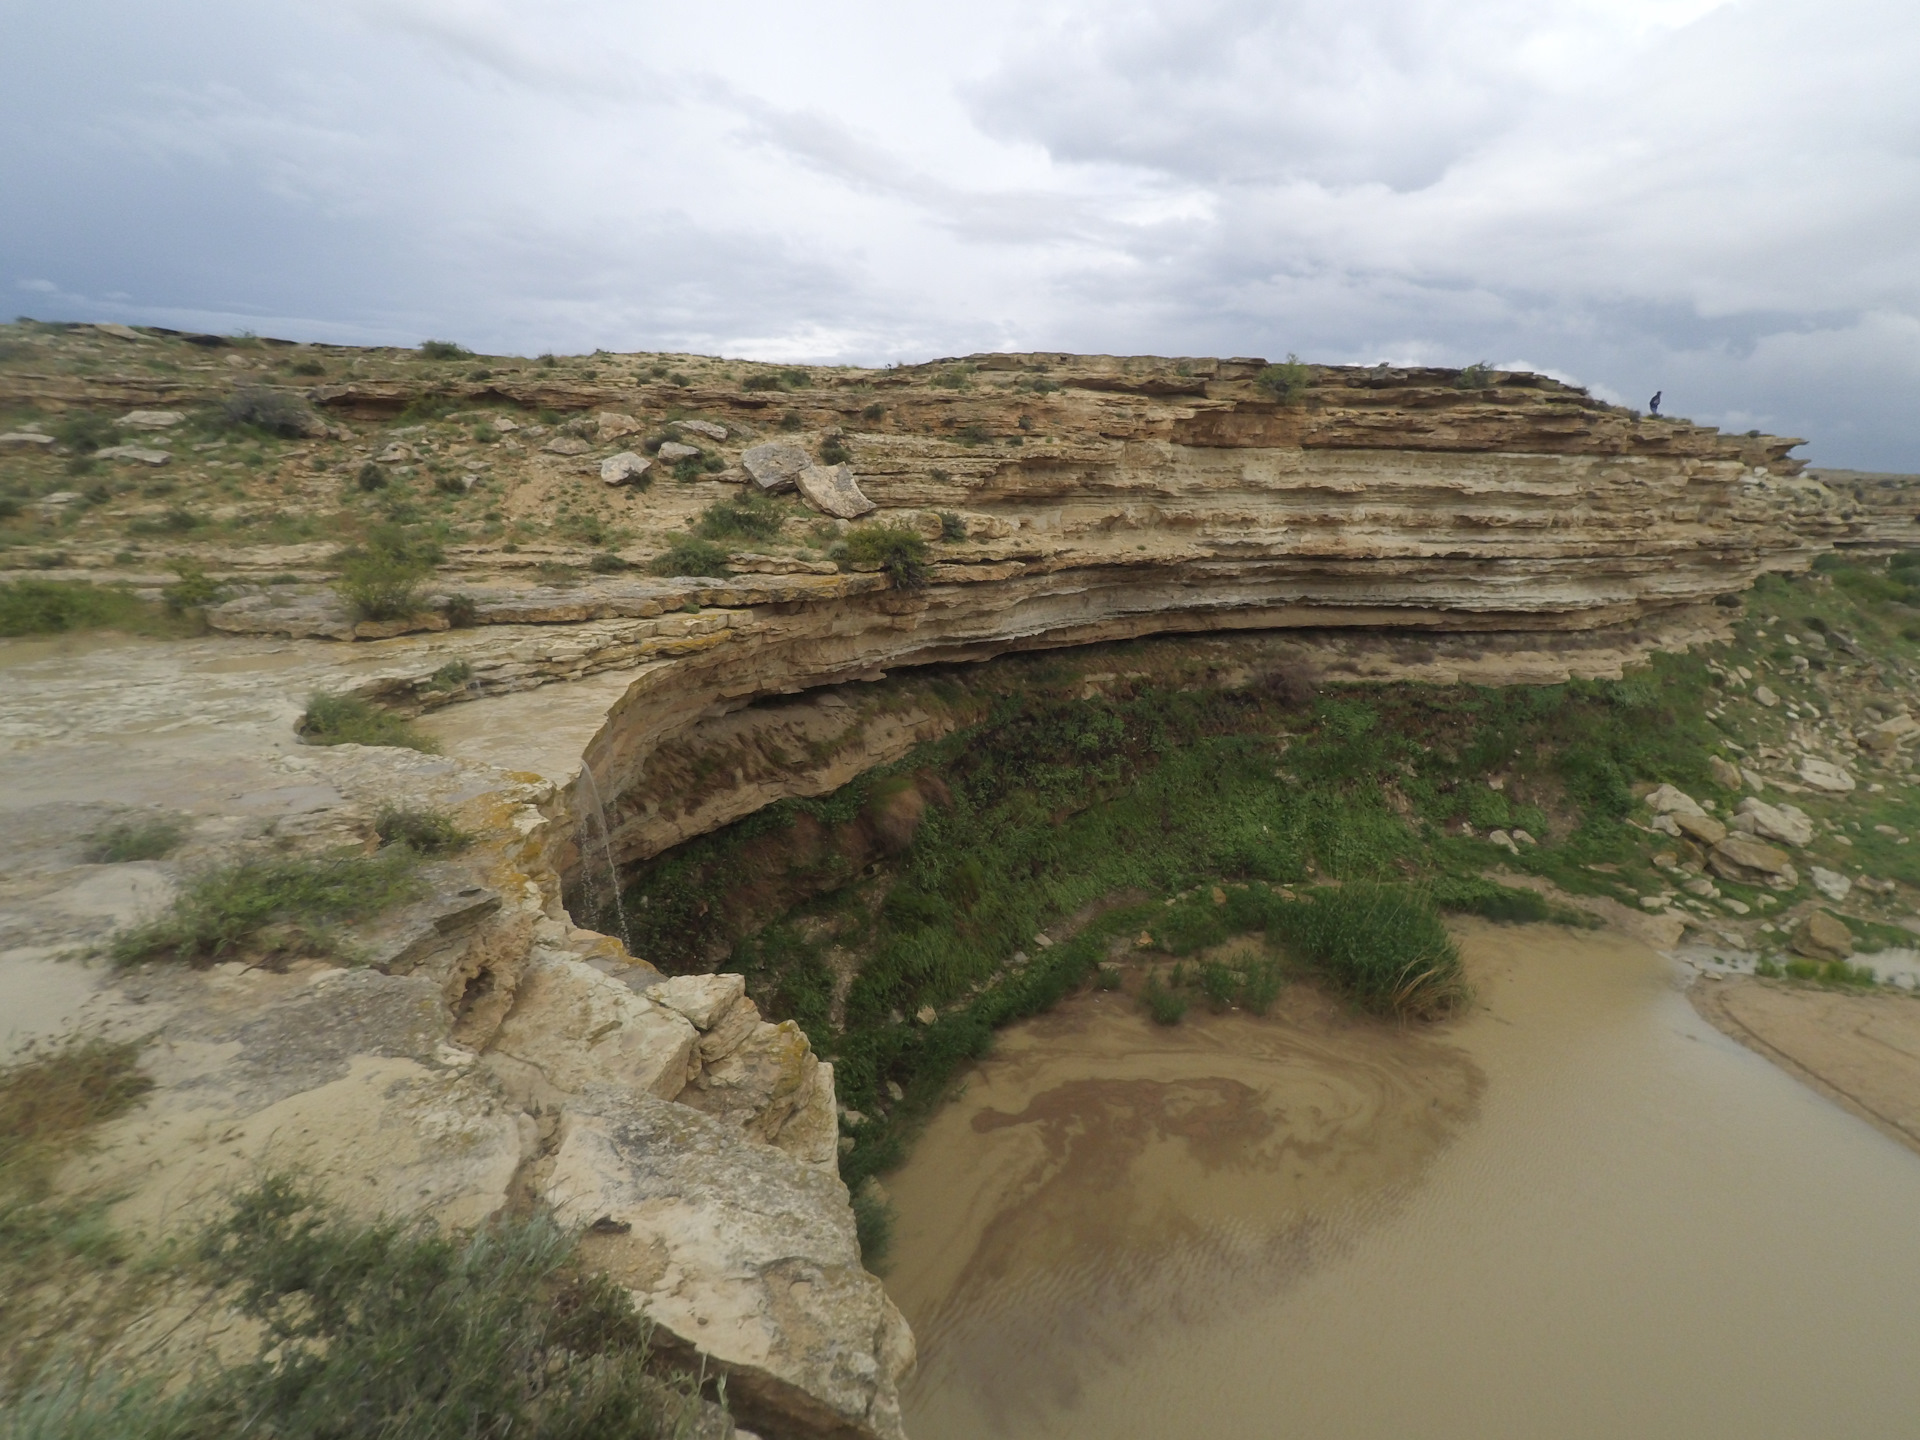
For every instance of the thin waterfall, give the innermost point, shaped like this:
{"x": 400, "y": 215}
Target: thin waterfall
{"x": 606, "y": 848}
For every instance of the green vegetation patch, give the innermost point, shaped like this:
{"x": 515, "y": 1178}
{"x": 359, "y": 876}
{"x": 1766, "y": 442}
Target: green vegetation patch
{"x": 746, "y": 516}
{"x": 144, "y": 837}
{"x": 425, "y": 831}
{"x": 686, "y": 555}
{"x": 349, "y": 720}
{"x": 900, "y": 553}
{"x": 54, "y": 607}
{"x": 385, "y": 1329}
{"x": 272, "y": 908}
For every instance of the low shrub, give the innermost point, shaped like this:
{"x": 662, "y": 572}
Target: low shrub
{"x": 607, "y": 563}
{"x": 50, "y": 607}
{"x": 86, "y": 432}
{"x": 349, "y": 720}
{"x": 745, "y": 516}
{"x": 145, "y": 837}
{"x": 393, "y": 1328}
{"x": 424, "y": 831}
{"x": 381, "y": 579}
{"x": 899, "y": 552}
{"x": 1166, "y": 1006}
{"x": 192, "y": 588}
{"x": 686, "y": 555}
{"x": 1288, "y": 382}
{"x": 952, "y": 527}
{"x": 451, "y": 676}
{"x": 446, "y": 350}
{"x": 308, "y": 367}
{"x": 834, "y": 451}
{"x": 461, "y": 611}
{"x": 1383, "y": 944}
{"x": 271, "y": 907}
{"x": 256, "y": 407}
{"x": 1477, "y": 376}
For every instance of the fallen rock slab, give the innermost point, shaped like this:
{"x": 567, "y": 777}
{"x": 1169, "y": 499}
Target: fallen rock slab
{"x": 151, "y": 419}
{"x": 1741, "y": 858}
{"x": 139, "y": 454}
{"x": 624, "y": 468}
{"x": 1703, "y": 828}
{"x": 830, "y": 489}
{"x": 1825, "y": 775}
{"x": 1788, "y": 824}
{"x": 775, "y": 465}
{"x": 1667, "y": 800}
{"x": 741, "y": 1254}
{"x": 1821, "y": 936}
{"x": 25, "y": 439}
{"x": 704, "y": 427}
{"x": 1830, "y": 883}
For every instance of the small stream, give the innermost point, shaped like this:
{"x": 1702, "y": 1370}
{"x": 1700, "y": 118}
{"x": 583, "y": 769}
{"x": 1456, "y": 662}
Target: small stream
{"x": 1578, "y": 1211}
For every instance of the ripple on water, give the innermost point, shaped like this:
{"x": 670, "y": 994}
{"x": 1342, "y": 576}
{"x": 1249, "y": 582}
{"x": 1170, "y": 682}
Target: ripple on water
{"x": 1102, "y": 1178}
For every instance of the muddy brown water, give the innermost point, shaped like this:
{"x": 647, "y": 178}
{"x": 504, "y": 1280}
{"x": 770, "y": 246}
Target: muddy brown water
{"x": 1578, "y": 1211}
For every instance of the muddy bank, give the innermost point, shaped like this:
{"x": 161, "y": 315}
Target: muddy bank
{"x": 1861, "y": 1051}
{"x": 1578, "y": 1210}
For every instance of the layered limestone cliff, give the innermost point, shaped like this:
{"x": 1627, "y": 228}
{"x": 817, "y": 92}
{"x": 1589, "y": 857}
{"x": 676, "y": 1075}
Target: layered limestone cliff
{"x": 1380, "y": 523}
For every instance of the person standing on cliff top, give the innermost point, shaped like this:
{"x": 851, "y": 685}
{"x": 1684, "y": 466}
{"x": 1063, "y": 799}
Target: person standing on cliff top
{"x": 1653, "y": 405}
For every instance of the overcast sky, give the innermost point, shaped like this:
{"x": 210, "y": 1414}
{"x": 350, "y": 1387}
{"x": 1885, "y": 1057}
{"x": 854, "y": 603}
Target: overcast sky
{"x": 1716, "y": 198}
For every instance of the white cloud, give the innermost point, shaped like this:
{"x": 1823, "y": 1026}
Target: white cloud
{"x": 1720, "y": 198}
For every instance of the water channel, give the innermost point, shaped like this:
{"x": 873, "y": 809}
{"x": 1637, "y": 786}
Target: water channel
{"x": 1576, "y": 1211}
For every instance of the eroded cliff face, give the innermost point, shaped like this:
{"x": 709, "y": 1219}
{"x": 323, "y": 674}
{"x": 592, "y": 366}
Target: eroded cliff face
{"x": 1386, "y": 523}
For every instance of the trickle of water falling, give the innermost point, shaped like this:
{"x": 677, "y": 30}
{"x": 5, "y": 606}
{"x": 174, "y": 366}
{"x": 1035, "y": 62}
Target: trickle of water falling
{"x": 606, "y": 848}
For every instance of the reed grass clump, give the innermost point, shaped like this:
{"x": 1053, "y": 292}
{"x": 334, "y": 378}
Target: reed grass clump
{"x": 1383, "y": 944}
{"x": 349, "y": 720}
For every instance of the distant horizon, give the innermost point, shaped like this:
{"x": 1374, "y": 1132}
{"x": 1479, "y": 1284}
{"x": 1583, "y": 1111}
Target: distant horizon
{"x": 1714, "y": 199}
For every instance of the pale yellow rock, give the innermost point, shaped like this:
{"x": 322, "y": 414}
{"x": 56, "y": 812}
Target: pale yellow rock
{"x": 572, "y": 1029}
{"x": 743, "y": 1253}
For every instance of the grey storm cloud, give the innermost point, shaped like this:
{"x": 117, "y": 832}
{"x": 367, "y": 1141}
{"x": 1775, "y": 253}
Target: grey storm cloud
{"x": 1718, "y": 198}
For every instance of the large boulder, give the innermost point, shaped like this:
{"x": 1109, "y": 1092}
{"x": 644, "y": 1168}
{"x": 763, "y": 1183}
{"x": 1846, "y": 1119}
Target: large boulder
{"x": 830, "y": 489}
{"x": 1822, "y": 937}
{"x": 741, "y": 1253}
{"x": 1824, "y": 775}
{"x": 1668, "y": 800}
{"x": 624, "y": 468}
{"x": 776, "y": 464}
{"x": 1725, "y": 774}
{"x": 1742, "y": 858}
{"x": 573, "y": 1029}
{"x": 1830, "y": 883}
{"x": 1703, "y": 828}
{"x": 1787, "y": 824}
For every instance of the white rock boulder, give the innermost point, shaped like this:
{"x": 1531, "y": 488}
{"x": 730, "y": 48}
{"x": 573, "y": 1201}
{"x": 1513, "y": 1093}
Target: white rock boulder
{"x": 624, "y": 468}
{"x": 776, "y": 464}
{"x": 831, "y": 490}
{"x": 1825, "y": 775}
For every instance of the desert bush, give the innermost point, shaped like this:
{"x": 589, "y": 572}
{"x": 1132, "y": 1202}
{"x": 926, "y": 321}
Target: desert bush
{"x": 145, "y": 837}
{"x": 460, "y": 610}
{"x": 422, "y": 830}
{"x": 1287, "y": 382}
{"x": 687, "y": 555}
{"x": 256, "y": 407}
{"x": 349, "y": 720}
{"x": 381, "y": 579}
{"x": 86, "y": 432}
{"x": 1477, "y": 376}
{"x": 899, "y": 552}
{"x": 607, "y": 563}
{"x": 746, "y": 516}
{"x": 443, "y": 350}
{"x": 308, "y": 367}
{"x": 271, "y": 906}
{"x": 875, "y": 411}
{"x": 451, "y": 676}
{"x": 834, "y": 451}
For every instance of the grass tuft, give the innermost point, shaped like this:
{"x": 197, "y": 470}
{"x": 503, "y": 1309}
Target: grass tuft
{"x": 1383, "y": 944}
{"x": 426, "y": 832}
{"x": 686, "y": 555}
{"x": 271, "y": 907}
{"x": 147, "y": 837}
{"x": 349, "y": 720}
